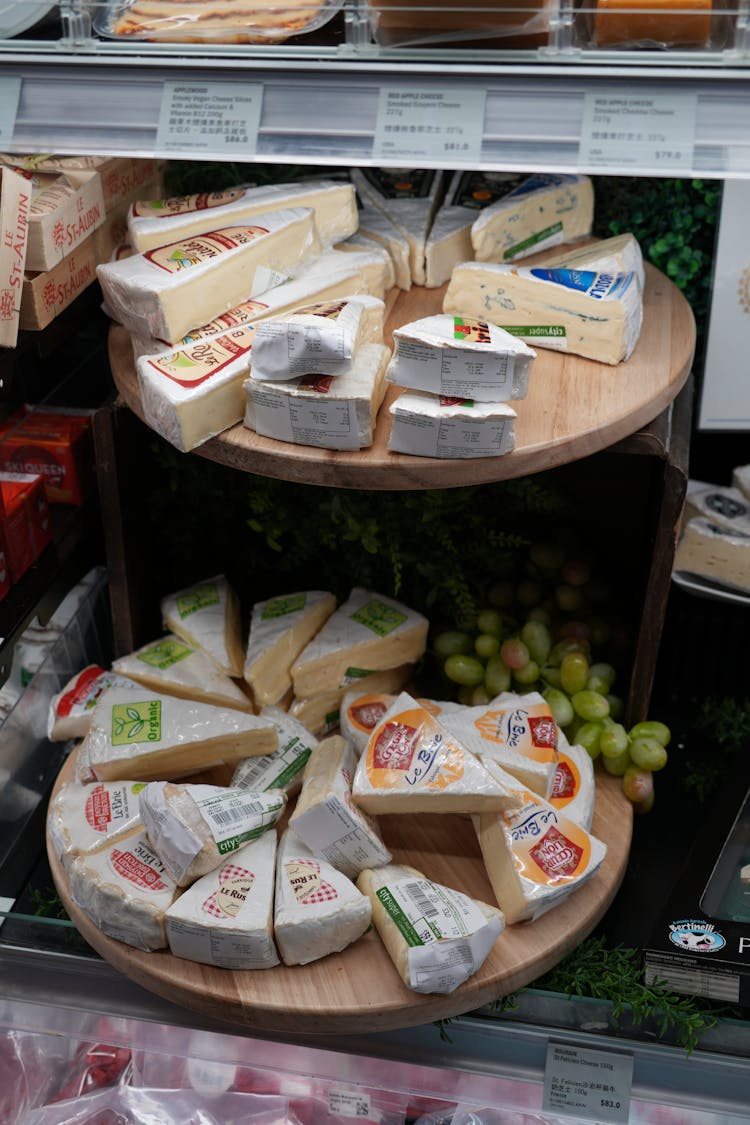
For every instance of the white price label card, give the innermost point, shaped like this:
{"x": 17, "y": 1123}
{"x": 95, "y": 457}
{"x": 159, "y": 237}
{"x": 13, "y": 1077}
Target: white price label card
{"x": 432, "y": 123}
{"x": 591, "y": 1085}
{"x": 349, "y": 1103}
{"x": 210, "y": 117}
{"x": 6, "y": 905}
{"x": 10, "y": 95}
{"x": 651, "y": 131}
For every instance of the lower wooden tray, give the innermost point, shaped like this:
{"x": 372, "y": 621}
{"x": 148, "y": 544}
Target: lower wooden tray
{"x": 359, "y": 990}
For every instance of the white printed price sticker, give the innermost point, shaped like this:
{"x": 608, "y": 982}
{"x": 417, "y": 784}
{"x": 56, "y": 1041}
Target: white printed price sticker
{"x": 349, "y": 1103}
{"x": 651, "y": 132}
{"x": 10, "y": 95}
{"x": 429, "y": 123}
{"x": 210, "y": 117}
{"x": 591, "y": 1085}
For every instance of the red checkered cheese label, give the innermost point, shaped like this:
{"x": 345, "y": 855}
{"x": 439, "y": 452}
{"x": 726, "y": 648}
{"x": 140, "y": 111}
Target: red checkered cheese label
{"x": 308, "y": 887}
{"x": 140, "y": 866}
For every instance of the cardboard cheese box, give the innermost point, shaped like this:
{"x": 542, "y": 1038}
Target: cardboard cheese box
{"x": 45, "y": 295}
{"x": 26, "y": 520}
{"x": 15, "y": 201}
{"x": 55, "y": 445}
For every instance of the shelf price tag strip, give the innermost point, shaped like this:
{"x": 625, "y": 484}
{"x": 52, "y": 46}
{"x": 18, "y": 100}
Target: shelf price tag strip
{"x": 216, "y": 117}
{"x": 591, "y": 1085}
{"x": 429, "y": 123}
{"x": 638, "y": 129}
{"x": 10, "y": 95}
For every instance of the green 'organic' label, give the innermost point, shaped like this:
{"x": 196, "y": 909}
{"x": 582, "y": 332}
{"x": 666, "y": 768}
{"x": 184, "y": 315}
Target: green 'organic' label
{"x": 136, "y": 722}
{"x": 164, "y": 654}
{"x": 200, "y": 598}
{"x": 379, "y": 617}
{"x": 279, "y": 607}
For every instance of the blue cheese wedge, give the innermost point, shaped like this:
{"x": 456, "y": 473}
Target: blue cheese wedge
{"x": 619, "y": 254}
{"x": 322, "y": 410}
{"x": 85, "y": 818}
{"x": 449, "y": 239}
{"x": 573, "y": 790}
{"x": 596, "y": 315}
{"x": 321, "y": 337}
{"x": 226, "y": 917}
{"x": 326, "y": 819}
{"x": 318, "y": 910}
{"x": 280, "y": 628}
{"x": 725, "y": 506}
{"x": 369, "y": 631}
{"x": 194, "y": 827}
{"x": 458, "y": 357}
{"x": 408, "y": 197}
{"x": 542, "y": 211}
{"x": 426, "y": 425}
{"x": 168, "y": 290}
{"x": 321, "y": 713}
{"x": 284, "y": 768}
{"x": 207, "y": 615}
{"x": 712, "y": 550}
{"x": 171, "y": 666}
{"x": 436, "y": 937}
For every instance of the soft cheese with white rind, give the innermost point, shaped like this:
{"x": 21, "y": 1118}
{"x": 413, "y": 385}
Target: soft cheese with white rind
{"x": 364, "y": 707}
{"x": 375, "y": 225}
{"x": 408, "y": 197}
{"x": 125, "y": 890}
{"x": 361, "y": 245}
{"x": 171, "y": 666}
{"x": 535, "y": 856}
{"x": 284, "y": 768}
{"x": 207, "y": 615}
{"x": 458, "y": 357}
{"x": 322, "y": 713}
{"x": 153, "y": 223}
{"x": 226, "y": 917}
{"x": 436, "y": 937}
{"x": 280, "y": 627}
{"x": 194, "y": 827}
{"x": 542, "y": 211}
{"x": 139, "y": 735}
{"x": 318, "y": 910}
{"x": 412, "y": 765}
{"x": 85, "y": 818}
{"x": 598, "y": 316}
{"x": 170, "y": 289}
{"x": 726, "y": 506}
{"x": 369, "y": 631}
{"x": 322, "y": 337}
{"x": 321, "y": 410}
{"x": 425, "y": 425}
{"x": 326, "y": 819}
{"x": 712, "y": 550}
{"x": 619, "y": 254}
{"x": 372, "y": 264}
{"x": 573, "y": 788}
{"x": 71, "y": 709}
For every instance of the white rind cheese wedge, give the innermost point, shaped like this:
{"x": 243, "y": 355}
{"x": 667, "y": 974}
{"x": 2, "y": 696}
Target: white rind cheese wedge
{"x": 542, "y": 211}
{"x": 226, "y": 918}
{"x": 321, "y": 713}
{"x": 167, "y": 291}
{"x": 318, "y": 910}
{"x": 280, "y": 628}
{"x": 194, "y": 827}
{"x": 534, "y": 855}
{"x": 142, "y": 736}
{"x": 153, "y": 223}
{"x": 573, "y": 788}
{"x": 284, "y": 768}
{"x": 713, "y": 551}
{"x": 322, "y": 337}
{"x": 598, "y": 316}
{"x": 364, "y": 707}
{"x": 436, "y": 937}
{"x": 175, "y": 668}
{"x": 85, "y": 818}
{"x": 321, "y": 410}
{"x": 726, "y": 506}
{"x": 426, "y": 425}
{"x": 207, "y": 615}
{"x": 375, "y": 225}
{"x": 125, "y": 890}
{"x": 361, "y": 245}
{"x": 71, "y": 709}
{"x": 741, "y": 479}
{"x": 457, "y": 357}
{"x": 620, "y": 254}
{"x": 325, "y": 818}
{"x": 413, "y": 765}
{"x": 369, "y": 631}
{"x": 408, "y": 197}
{"x": 373, "y": 266}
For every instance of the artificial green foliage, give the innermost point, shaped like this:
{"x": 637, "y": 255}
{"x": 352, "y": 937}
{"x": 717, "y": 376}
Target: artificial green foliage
{"x": 725, "y": 725}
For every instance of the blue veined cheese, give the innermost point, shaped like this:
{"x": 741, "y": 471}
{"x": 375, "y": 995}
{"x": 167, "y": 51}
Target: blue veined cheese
{"x": 226, "y": 917}
{"x": 726, "y": 506}
{"x": 280, "y": 627}
{"x": 596, "y": 315}
{"x": 86, "y": 818}
{"x": 363, "y": 247}
{"x": 459, "y": 357}
{"x": 155, "y": 222}
{"x": 619, "y": 254}
{"x": 176, "y": 668}
{"x": 436, "y": 937}
{"x": 377, "y": 226}
{"x": 573, "y": 789}
{"x": 322, "y": 410}
{"x": 542, "y": 211}
{"x": 284, "y": 768}
{"x": 426, "y": 425}
{"x": 166, "y": 291}
{"x": 207, "y": 615}
{"x": 712, "y": 550}
{"x": 371, "y": 261}
{"x": 325, "y": 336}
{"x": 449, "y": 239}
{"x": 408, "y": 197}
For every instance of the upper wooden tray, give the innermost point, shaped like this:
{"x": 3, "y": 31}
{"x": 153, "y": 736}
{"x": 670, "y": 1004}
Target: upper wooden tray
{"x": 575, "y": 407}
{"x": 359, "y": 990}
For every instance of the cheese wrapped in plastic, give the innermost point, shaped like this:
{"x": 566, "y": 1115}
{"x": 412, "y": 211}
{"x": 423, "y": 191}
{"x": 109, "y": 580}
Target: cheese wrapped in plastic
{"x": 322, "y": 713}
{"x": 426, "y": 425}
{"x": 619, "y": 254}
{"x": 70, "y": 711}
{"x": 85, "y": 818}
{"x": 573, "y": 788}
{"x": 284, "y": 768}
{"x": 207, "y": 615}
{"x": 324, "y": 337}
{"x": 542, "y": 211}
{"x": 280, "y": 627}
{"x": 171, "y": 666}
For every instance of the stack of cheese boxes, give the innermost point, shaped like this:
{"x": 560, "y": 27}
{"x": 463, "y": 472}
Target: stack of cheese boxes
{"x": 715, "y": 539}
{"x": 157, "y": 861}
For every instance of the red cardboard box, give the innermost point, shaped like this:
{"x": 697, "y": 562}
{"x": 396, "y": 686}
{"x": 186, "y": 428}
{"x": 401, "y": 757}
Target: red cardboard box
{"x": 26, "y": 520}
{"x": 54, "y": 445}
{"x": 4, "y": 571}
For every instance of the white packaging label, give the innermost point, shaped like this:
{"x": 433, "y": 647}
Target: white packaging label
{"x": 450, "y": 371}
{"x": 453, "y": 437}
{"x": 273, "y": 771}
{"x": 214, "y": 946}
{"x": 334, "y": 831}
{"x": 326, "y": 424}
{"x": 266, "y": 279}
{"x": 233, "y": 820}
{"x": 349, "y": 1103}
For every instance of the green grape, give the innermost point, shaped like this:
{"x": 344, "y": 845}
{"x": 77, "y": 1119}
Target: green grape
{"x": 465, "y": 693}
{"x": 590, "y": 705}
{"x": 646, "y": 805}
{"x": 614, "y": 740}
{"x": 496, "y": 676}
{"x": 574, "y": 671}
{"x": 562, "y": 648}
{"x": 616, "y": 765}
{"x": 450, "y": 642}
{"x": 480, "y": 696}
{"x": 502, "y": 594}
{"x": 601, "y": 678}
{"x": 589, "y": 736}
{"x": 486, "y": 645}
{"x": 637, "y": 784}
{"x": 559, "y": 705}
{"x": 463, "y": 669}
{"x": 651, "y": 728}
{"x": 529, "y": 674}
{"x": 616, "y": 707}
{"x": 535, "y": 635}
{"x": 514, "y": 653}
{"x": 551, "y": 676}
{"x": 572, "y": 728}
{"x": 648, "y": 754}
{"x": 490, "y": 621}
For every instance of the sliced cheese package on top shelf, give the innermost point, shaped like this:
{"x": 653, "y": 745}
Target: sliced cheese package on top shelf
{"x": 596, "y": 315}
{"x": 207, "y": 615}
{"x": 436, "y": 937}
{"x": 86, "y": 818}
{"x": 280, "y": 628}
{"x": 542, "y": 211}
{"x": 408, "y": 197}
{"x": 619, "y": 254}
{"x": 321, "y": 713}
{"x": 175, "y": 668}
{"x": 284, "y": 768}
{"x": 426, "y": 425}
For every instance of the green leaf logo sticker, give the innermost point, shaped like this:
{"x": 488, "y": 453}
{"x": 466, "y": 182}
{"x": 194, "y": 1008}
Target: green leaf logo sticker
{"x": 201, "y": 597}
{"x": 164, "y": 654}
{"x": 279, "y": 607}
{"x": 379, "y": 617}
{"x": 136, "y": 722}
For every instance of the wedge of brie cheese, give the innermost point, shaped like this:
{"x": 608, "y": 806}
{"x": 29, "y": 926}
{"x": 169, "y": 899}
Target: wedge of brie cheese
{"x": 321, "y": 713}
{"x": 280, "y": 627}
{"x": 71, "y": 709}
{"x": 207, "y": 615}
{"x": 542, "y": 211}
{"x": 426, "y": 425}
{"x": 85, "y": 818}
{"x": 284, "y": 768}
{"x": 408, "y": 197}
{"x": 449, "y": 239}
{"x": 171, "y": 666}
{"x": 377, "y": 226}
{"x": 573, "y": 790}
{"x": 362, "y": 247}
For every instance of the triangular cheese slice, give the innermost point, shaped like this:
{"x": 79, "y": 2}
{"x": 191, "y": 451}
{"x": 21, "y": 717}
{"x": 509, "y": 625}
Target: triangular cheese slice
{"x": 321, "y": 713}
{"x": 620, "y": 254}
{"x": 144, "y": 736}
{"x": 279, "y": 630}
{"x": 284, "y": 768}
{"x": 207, "y": 615}
{"x": 377, "y": 226}
{"x": 85, "y": 818}
{"x": 71, "y": 709}
{"x": 409, "y": 198}
{"x": 573, "y": 788}
{"x": 413, "y": 765}
{"x": 542, "y": 211}
{"x": 170, "y": 665}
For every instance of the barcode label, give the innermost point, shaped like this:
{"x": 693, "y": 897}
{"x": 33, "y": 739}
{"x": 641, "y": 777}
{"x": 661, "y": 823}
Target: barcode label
{"x": 421, "y": 900}
{"x": 232, "y": 814}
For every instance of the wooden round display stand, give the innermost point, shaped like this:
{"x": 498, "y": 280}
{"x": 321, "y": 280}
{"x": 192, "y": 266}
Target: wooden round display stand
{"x": 575, "y": 407}
{"x": 359, "y": 990}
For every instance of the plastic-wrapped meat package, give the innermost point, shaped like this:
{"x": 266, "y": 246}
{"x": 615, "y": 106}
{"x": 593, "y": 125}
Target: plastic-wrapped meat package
{"x": 123, "y": 1105}
{"x": 32, "y": 1067}
{"x": 97, "y": 1065}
